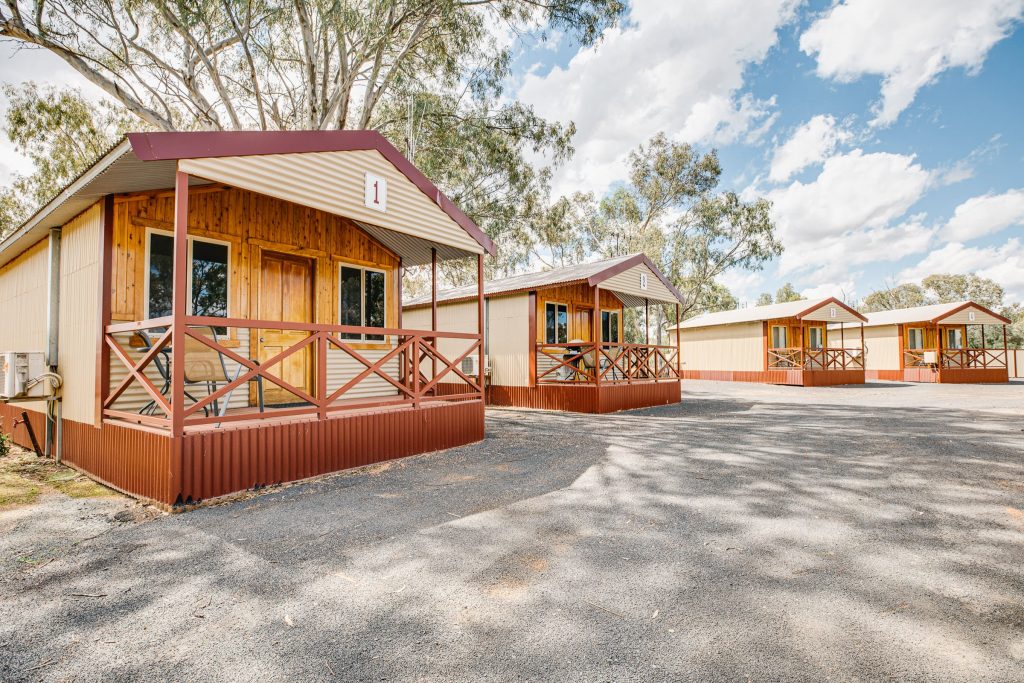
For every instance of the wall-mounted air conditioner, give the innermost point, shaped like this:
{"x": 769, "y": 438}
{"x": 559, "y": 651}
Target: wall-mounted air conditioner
{"x": 23, "y": 376}
{"x": 471, "y": 365}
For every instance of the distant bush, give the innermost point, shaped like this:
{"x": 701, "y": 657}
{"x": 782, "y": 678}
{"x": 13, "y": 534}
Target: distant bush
{"x": 5, "y": 444}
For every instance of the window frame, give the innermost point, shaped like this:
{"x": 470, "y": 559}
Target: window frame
{"x": 821, "y": 337}
{"x": 910, "y": 338}
{"x": 785, "y": 335}
{"x": 362, "y": 338}
{"x": 618, "y": 329}
{"x": 954, "y": 332}
{"x": 556, "y": 304}
{"x": 147, "y": 249}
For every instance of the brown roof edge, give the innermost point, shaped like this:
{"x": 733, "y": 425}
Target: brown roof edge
{"x": 1005, "y": 320}
{"x": 212, "y": 144}
{"x": 622, "y": 266}
{"x": 829, "y": 300}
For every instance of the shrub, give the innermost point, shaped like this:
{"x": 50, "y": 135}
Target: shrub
{"x": 5, "y": 444}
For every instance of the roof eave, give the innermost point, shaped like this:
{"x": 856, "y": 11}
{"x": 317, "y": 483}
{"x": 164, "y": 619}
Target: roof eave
{"x": 832, "y": 300}
{"x": 969, "y": 304}
{"x": 622, "y": 266}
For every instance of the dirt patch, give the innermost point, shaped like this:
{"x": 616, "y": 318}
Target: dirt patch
{"x": 24, "y": 477}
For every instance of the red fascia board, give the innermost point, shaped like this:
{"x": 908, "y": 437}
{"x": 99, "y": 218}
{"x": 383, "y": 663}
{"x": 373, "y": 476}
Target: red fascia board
{"x": 831, "y": 300}
{"x": 1006, "y": 321}
{"x": 213, "y": 144}
{"x": 623, "y": 266}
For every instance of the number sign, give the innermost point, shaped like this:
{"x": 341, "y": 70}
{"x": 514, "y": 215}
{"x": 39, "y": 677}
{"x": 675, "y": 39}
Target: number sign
{"x": 375, "y": 193}
{"x": 643, "y": 280}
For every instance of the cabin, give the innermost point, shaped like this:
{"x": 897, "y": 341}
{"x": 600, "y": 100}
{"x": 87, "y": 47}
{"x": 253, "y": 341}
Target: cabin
{"x": 555, "y": 340}
{"x": 932, "y": 344}
{"x": 223, "y": 312}
{"x": 784, "y": 343}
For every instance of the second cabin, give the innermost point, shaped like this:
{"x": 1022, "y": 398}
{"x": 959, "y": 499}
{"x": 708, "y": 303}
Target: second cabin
{"x": 785, "y": 343}
{"x": 556, "y": 340}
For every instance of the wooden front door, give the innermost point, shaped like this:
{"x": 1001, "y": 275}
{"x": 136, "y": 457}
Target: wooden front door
{"x": 286, "y": 294}
{"x": 584, "y": 324}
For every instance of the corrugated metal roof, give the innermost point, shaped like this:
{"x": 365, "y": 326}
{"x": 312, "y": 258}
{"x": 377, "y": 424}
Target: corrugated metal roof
{"x": 933, "y": 312}
{"x": 527, "y": 281}
{"x": 121, "y": 170}
{"x": 804, "y": 308}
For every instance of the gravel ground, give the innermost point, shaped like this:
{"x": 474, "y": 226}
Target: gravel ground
{"x": 749, "y": 533}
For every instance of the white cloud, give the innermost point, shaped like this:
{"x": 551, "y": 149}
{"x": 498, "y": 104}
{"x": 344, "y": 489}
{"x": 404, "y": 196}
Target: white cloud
{"x": 906, "y": 42}
{"x": 1002, "y": 263}
{"x": 846, "y": 288}
{"x": 810, "y": 144}
{"x": 676, "y": 67}
{"x": 985, "y": 215}
{"x": 854, "y": 191}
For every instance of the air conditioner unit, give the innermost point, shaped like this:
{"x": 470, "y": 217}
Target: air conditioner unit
{"x": 931, "y": 357}
{"x": 18, "y": 370}
{"x": 471, "y": 365}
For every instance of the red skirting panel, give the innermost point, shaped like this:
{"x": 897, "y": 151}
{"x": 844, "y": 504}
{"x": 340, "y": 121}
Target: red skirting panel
{"x": 586, "y": 398}
{"x": 9, "y": 412}
{"x": 235, "y": 458}
{"x": 949, "y": 375}
{"x": 800, "y": 378}
{"x": 232, "y": 459}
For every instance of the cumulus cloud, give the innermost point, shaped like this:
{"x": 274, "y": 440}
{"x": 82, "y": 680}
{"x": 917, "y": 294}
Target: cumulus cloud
{"x": 908, "y": 43}
{"x": 810, "y": 144}
{"x": 844, "y": 288}
{"x": 676, "y": 67}
{"x": 1002, "y": 263}
{"x": 985, "y": 215}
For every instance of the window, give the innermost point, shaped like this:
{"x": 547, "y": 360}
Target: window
{"x": 610, "y": 327}
{"x": 954, "y": 339}
{"x": 778, "y": 337}
{"x": 556, "y": 323}
{"x": 362, "y": 300}
{"x": 814, "y": 338}
{"x": 208, "y": 286}
{"x": 915, "y": 338}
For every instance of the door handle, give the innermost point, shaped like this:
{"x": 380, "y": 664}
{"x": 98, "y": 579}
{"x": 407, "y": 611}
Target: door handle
{"x": 261, "y": 340}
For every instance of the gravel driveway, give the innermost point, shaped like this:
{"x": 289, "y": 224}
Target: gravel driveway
{"x": 751, "y": 532}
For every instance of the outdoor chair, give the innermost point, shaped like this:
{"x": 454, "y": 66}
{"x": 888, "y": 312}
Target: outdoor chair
{"x": 204, "y": 367}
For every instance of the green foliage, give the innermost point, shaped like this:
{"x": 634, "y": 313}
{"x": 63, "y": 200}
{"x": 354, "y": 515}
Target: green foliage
{"x": 947, "y": 288}
{"x": 906, "y": 295}
{"x": 61, "y": 133}
{"x": 5, "y": 445}
{"x": 786, "y": 293}
{"x": 765, "y": 299}
{"x": 713, "y": 298}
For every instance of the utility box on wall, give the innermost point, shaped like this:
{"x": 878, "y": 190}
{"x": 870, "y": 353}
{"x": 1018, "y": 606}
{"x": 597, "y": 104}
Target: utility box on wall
{"x": 18, "y": 369}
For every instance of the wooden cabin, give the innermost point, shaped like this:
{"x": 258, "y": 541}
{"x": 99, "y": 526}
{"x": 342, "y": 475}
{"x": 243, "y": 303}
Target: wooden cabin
{"x": 930, "y": 344}
{"x": 224, "y": 312}
{"x": 783, "y": 343}
{"x": 556, "y": 340}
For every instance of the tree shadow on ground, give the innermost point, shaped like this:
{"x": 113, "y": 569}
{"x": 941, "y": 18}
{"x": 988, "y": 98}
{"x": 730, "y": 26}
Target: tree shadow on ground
{"x": 713, "y": 539}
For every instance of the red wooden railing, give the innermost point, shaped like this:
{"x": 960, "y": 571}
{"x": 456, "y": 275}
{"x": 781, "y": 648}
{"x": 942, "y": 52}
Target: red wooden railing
{"x": 619, "y": 363}
{"x": 414, "y": 353}
{"x": 964, "y": 359}
{"x": 815, "y": 359}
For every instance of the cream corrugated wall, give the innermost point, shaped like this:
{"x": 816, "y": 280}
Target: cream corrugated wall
{"x": 334, "y": 182}
{"x": 628, "y": 281}
{"x": 79, "y": 313}
{"x": 723, "y": 347}
{"x": 882, "y": 350}
{"x": 508, "y": 340}
{"x": 23, "y": 287}
{"x": 459, "y": 317}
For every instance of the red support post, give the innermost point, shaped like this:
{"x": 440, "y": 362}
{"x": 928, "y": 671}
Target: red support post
{"x": 679, "y": 345}
{"x": 102, "y": 353}
{"x": 532, "y": 333}
{"x": 595, "y": 337}
{"x": 433, "y": 307}
{"x": 480, "y": 320}
{"x": 179, "y": 309}
{"x": 647, "y": 322}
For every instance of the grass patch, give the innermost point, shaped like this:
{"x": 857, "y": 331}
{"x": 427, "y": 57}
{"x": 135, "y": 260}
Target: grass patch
{"x": 24, "y": 477}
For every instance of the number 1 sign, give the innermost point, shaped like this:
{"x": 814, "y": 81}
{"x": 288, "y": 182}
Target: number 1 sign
{"x": 375, "y": 193}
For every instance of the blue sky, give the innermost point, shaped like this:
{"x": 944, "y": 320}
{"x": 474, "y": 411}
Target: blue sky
{"x": 887, "y": 134}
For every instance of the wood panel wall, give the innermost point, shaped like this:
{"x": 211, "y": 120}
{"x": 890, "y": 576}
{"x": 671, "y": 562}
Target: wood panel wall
{"x": 576, "y": 297}
{"x": 250, "y": 222}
